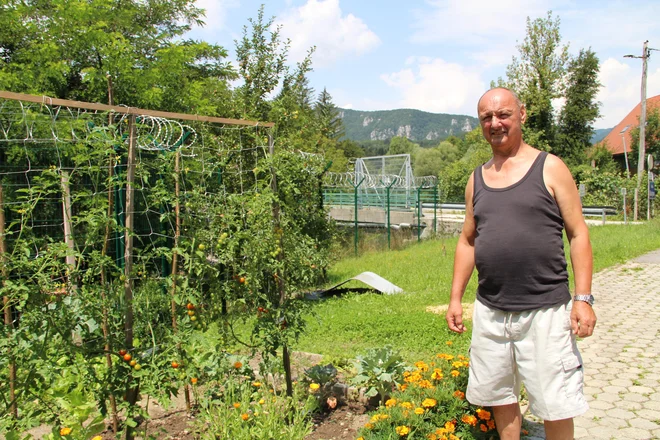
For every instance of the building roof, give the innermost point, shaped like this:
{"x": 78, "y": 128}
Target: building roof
{"x": 614, "y": 141}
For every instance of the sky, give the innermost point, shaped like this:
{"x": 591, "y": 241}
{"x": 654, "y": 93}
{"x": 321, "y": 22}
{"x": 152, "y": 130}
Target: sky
{"x": 440, "y": 56}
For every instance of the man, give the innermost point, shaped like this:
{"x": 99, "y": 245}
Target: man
{"x": 525, "y": 322}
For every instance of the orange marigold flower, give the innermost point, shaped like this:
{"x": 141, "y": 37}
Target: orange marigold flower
{"x": 463, "y": 358}
{"x": 450, "y": 427}
{"x": 65, "y": 431}
{"x": 432, "y": 437}
{"x": 236, "y": 405}
{"x": 402, "y": 430}
{"x": 406, "y": 373}
{"x": 455, "y": 373}
{"x": 483, "y": 427}
{"x": 407, "y": 405}
{"x": 525, "y": 432}
{"x": 314, "y": 387}
{"x": 237, "y": 365}
{"x": 360, "y": 438}
{"x": 483, "y": 414}
{"x": 445, "y": 356}
{"x": 453, "y": 437}
{"x": 437, "y": 374}
{"x": 419, "y": 411}
{"x": 491, "y": 424}
{"x": 426, "y": 384}
{"x": 256, "y": 384}
{"x": 245, "y": 416}
{"x": 422, "y": 366}
{"x": 469, "y": 419}
{"x": 429, "y": 403}
{"x": 449, "y": 342}
{"x": 403, "y": 386}
{"x": 459, "y": 394}
{"x": 369, "y": 426}
{"x": 389, "y": 403}
{"x": 457, "y": 364}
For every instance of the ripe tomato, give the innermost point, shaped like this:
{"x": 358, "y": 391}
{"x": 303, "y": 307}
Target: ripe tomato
{"x": 191, "y": 312}
{"x": 241, "y": 280}
{"x": 133, "y": 363}
{"x": 122, "y": 352}
{"x": 128, "y": 357}
{"x": 193, "y": 380}
{"x": 190, "y": 306}
{"x": 175, "y": 364}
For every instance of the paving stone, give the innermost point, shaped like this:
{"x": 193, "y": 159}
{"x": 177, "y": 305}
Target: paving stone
{"x": 643, "y": 424}
{"x": 633, "y": 433}
{"x": 619, "y": 413}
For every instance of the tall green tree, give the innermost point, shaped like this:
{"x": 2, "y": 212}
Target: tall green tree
{"x": 580, "y": 109}
{"x": 130, "y": 52}
{"x": 652, "y": 139}
{"x": 537, "y": 77}
{"x": 328, "y": 118}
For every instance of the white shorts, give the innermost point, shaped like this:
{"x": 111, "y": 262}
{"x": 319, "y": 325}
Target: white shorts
{"x": 536, "y": 348}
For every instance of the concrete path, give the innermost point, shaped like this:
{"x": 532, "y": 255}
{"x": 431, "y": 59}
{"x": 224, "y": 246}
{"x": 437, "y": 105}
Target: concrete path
{"x": 622, "y": 358}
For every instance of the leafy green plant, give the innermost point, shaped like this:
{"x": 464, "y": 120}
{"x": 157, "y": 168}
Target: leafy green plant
{"x": 321, "y": 379}
{"x": 430, "y": 404}
{"x": 380, "y": 370}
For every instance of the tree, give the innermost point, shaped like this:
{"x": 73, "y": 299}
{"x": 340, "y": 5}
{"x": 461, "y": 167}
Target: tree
{"x": 580, "y": 110}
{"x": 537, "y": 77}
{"x": 128, "y": 52}
{"x": 328, "y": 118}
{"x": 652, "y": 135}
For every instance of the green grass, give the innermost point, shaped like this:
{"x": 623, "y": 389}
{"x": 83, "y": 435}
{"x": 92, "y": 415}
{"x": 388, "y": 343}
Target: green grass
{"x": 346, "y": 326}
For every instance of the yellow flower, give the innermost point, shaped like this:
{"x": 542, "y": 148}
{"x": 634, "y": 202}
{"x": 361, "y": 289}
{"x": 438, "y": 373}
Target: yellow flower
{"x": 378, "y": 417}
{"x": 369, "y": 426}
{"x": 450, "y": 427}
{"x": 422, "y": 366}
{"x": 469, "y": 419}
{"x": 426, "y": 384}
{"x": 429, "y": 403}
{"x": 455, "y": 373}
{"x": 97, "y": 437}
{"x": 389, "y": 403}
{"x": 483, "y": 414}
{"x": 419, "y": 411}
{"x": 360, "y": 438}
{"x": 403, "y": 386}
{"x": 314, "y": 387}
{"x": 237, "y": 365}
{"x": 402, "y": 430}
{"x": 245, "y": 416}
{"x": 453, "y": 437}
{"x": 457, "y": 364}
{"x": 449, "y": 342}
{"x": 256, "y": 384}
{"x": 236, "y": 405}
{"x": 261, "y": 401}
{"x": 445, "y": 356}
{"x": 407, "y": 405}
{"x": 437, "y": 374}
{"x": 65, "y": 431}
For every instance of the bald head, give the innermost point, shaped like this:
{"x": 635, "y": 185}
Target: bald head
{"x": 503, "y": 90}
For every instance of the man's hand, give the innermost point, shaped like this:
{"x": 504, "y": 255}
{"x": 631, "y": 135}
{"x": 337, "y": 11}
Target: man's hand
{"x": 583, "y": 319}
{"x": 455, "y": 317}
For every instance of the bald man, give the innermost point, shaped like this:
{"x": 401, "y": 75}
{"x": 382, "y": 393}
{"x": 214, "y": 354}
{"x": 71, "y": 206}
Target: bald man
{"x": 525, "y": 320}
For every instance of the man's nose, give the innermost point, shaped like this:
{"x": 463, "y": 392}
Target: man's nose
{"x": 495, "y": 122}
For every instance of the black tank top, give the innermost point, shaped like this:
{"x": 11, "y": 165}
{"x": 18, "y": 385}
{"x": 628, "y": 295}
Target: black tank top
{"x": 519, "y": 251}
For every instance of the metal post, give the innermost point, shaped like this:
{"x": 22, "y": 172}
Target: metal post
{"x": 625, "y": 214}
{"x": 387, "y": 191}
{"x": 355, "y": 205}
{"x": 419, "y": 213}
{"x": 435, "y": 209}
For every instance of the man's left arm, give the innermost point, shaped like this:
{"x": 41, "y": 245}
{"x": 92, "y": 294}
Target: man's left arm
{"x": 560, "y": 183}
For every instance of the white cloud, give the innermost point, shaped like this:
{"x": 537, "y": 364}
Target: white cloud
{"x": 215, "y": 15}
{"x": 435, "y": 85}
{"x": 320, "y": 23}
{"x": 621, "y": 89}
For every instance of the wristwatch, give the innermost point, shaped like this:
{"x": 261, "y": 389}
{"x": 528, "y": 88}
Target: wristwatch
{"x": 586, "y": 298}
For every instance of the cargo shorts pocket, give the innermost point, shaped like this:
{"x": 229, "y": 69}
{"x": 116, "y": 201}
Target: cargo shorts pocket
{"x": 573, "y": 374}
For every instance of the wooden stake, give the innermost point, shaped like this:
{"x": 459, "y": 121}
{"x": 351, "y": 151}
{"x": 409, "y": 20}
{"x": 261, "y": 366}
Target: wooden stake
{"x": 13, "y": 409}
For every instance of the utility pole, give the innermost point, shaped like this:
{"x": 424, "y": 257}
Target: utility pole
{"x": 646, "y": 52}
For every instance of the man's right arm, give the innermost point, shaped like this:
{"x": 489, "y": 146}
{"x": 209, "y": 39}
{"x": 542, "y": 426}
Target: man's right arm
{"x": 463, "y": 263}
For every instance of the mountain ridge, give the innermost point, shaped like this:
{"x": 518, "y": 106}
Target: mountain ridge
{"x": 416, "y": 125}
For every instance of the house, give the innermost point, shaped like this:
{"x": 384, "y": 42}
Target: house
{"x": 615, "y": 140}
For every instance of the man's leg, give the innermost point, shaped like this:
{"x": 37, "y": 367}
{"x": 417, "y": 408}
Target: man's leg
{"x": 508, "y": 420}
{"x": 558, "y": 429}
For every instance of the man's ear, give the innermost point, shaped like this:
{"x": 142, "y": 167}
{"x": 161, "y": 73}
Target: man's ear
{"x": 523, "y": 114}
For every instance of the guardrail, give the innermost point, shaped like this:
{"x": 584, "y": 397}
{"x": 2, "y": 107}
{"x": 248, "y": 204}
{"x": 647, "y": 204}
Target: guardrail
{"x": 587, "y": 211}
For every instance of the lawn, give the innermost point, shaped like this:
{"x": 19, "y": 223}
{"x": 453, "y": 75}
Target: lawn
{"x": 344, "y": 327}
